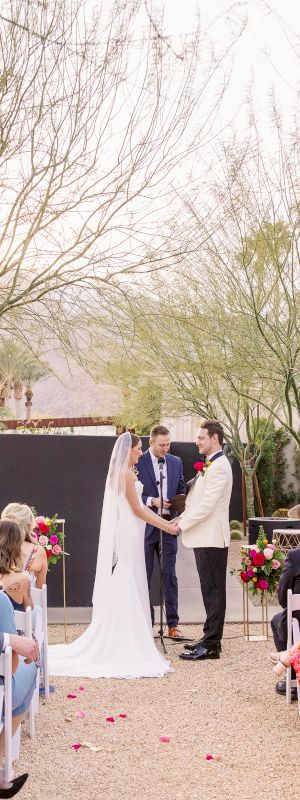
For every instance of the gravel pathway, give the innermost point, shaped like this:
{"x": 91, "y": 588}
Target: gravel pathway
{"x": 226, "y": 708}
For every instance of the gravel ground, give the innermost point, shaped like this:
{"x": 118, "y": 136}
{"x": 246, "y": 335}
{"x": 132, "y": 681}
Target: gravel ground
{"x": 227, "y": 708}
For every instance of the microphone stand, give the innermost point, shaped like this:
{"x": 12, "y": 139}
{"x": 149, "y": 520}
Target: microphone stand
{"x": 161, "y": 561}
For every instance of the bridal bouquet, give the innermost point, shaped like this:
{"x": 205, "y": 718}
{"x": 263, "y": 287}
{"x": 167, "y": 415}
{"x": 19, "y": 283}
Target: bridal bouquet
{"x": 262, "y": 565}
{"x": 45, "y": 533}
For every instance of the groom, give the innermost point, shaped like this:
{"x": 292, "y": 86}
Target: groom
{"x": 205, "y": 527}
{"x": 173, "y": 483}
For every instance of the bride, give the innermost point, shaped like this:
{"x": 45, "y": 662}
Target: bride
{"x": 119, "y": 641}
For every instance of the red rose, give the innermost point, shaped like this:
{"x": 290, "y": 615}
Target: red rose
{"x": 244, "y": 577}
{"x": 48, "y": 553}
{"x": 199, "y": 466}
{"x": 258, "y": 559}
{"x": 43, "y": 528}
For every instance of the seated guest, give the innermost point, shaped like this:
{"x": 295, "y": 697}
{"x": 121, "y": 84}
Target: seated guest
{"x": 287, "y": 658}
{"x": 15, "y": 582}
{"x": 25, "y": 653}
{"x": 34, "y": 558}
{"x": 290, "y": 579}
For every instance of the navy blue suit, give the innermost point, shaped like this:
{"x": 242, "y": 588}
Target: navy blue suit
{"x": 175, "y": 485}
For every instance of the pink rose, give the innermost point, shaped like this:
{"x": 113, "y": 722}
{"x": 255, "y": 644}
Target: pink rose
{"x": 253, "y": 551}
{"x": 34, "y": 535}
{"x": 56, "y": 550}
{"x": 271, "y": 546}
{"x": 53, "y": 539}
{"x": 40, "y": 520}
{"x": 275, "y": 563}
{"x": 268, "y": 553}
{"x": 43, "y": 540}
{"x": 250, "y": 572}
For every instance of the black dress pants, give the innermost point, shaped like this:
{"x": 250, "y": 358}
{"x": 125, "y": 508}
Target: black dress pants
{"x": 211, "y": 565}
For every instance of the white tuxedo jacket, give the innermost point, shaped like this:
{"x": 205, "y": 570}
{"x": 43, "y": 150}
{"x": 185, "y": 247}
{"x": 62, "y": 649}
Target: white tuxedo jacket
{"x": 205, "y": 521}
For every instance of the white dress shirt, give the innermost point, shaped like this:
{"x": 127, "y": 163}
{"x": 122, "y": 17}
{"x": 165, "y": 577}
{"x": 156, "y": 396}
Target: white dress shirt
{"x": 156, "y": 469}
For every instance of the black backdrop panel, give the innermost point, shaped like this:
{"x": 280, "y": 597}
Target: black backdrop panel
{"x": 66, "y": 475}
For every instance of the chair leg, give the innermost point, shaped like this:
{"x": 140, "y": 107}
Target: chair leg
{"x": 288, "y": 692}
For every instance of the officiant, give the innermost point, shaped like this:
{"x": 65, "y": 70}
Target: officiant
{"x": 173, "y": 484}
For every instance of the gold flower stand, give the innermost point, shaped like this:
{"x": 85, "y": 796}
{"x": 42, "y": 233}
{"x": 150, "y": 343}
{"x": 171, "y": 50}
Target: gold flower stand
{"x": 61, "y": 522}
{"x": 264, "y": 636}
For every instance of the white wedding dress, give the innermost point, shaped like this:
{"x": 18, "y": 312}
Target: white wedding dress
{"x": 119, "y": 642}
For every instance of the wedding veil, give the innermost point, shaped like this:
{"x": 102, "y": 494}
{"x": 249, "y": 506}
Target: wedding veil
{"x": 107, "y": 551}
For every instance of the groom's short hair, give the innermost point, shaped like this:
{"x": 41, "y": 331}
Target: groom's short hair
{"x": 159, "y": 430}
{"x": 213, "y": 426}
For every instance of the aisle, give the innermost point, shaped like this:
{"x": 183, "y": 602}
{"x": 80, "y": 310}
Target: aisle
{"x": 226, "y": 708}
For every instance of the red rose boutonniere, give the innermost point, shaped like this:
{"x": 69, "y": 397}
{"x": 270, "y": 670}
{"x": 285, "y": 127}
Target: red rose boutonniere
{"x": 202, "y": 466}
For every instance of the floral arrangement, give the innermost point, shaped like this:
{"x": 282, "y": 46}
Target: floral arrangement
{"x": 202, "y": 466}
{"x": 45, "y": 533}
{"x": 262, "y": 565}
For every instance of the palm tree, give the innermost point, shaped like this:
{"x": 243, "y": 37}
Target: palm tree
{"x": 18, "y": 367}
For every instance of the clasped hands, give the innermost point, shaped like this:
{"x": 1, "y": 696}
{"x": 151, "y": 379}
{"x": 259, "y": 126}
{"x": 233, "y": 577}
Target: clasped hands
{"x": 175, "y": 524}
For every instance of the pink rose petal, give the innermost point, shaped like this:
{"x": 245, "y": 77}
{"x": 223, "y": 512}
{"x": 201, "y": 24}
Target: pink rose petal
{"x": 123, "y": 716}
{"x": 209, "y": 757}
{"x": 75, "y": 746}
{"x": 71, "y": 696}
{"x": 81, "y": 689}
{"x": 80, "y": 714}
{"x": 164, "y": 738}
{"x": 110, "y": 719}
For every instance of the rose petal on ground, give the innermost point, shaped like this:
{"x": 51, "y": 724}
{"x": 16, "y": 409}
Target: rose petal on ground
{"x": 80, "y": 714}
{"x": 209, "y": 757}
{"x": 164, "y": 738}
{"x": 71, "y": 696}
{"x": 76, "y": 746}
{"x": 123, "y": 716}
{"x": 81, "y": 689}
{"x": 110, "y": 719}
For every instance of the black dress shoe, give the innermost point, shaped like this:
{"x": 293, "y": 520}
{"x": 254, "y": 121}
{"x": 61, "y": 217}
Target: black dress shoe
{"x": 201, "y": 654}
{"x": 280, "y": 688}
{"x": 193, "y": 646}
{"x": 201, "y": 643}
{"x": 17, "y": 784}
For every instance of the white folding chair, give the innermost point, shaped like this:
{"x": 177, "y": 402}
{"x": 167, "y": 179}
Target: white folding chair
{"x": 23, "y": 622}
{"x": 6, "y": 696}
{"x": 293, "y": 635}
{"x": 39, "y": 597}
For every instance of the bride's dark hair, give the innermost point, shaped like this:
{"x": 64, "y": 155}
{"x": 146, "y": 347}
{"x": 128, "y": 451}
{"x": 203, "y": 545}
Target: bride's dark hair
{"x": 134, "y": 439}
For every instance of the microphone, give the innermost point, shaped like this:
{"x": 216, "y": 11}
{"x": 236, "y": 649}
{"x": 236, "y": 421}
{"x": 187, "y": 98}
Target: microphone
{"x": 161, "y": 462}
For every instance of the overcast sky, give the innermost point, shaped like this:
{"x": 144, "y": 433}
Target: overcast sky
{"x": 265, "y": 55}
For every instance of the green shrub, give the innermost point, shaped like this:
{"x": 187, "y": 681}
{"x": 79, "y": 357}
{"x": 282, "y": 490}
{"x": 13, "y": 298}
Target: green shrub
{"x": 235, "y": 525}
{"x": 281, "y": 512}
{"x": 235, "y": 534}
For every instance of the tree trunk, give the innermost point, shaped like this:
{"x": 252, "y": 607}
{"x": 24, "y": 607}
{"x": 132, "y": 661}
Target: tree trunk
{"x": 244, "y": 501}
{"x": 249, "y": 493}
{"x": 258, "y": 496}
{"x": 28, "y": 404}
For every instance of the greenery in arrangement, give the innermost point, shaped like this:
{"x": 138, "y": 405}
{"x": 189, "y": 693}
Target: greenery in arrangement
{"x": 262, "y": 565}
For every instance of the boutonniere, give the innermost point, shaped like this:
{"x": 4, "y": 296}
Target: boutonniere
{"x": 202, "y": 466}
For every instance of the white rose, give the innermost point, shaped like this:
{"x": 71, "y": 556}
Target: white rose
{"x": 268, "y": 554}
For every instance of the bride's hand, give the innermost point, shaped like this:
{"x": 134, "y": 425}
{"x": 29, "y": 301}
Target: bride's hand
{"x": 173, "y": 528}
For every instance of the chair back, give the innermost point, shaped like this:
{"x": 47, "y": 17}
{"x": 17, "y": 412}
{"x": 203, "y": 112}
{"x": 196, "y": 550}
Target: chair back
{"x": 23, "y": 620}
{"x": 294, "y": 513}
{"x": 6, "y": 673}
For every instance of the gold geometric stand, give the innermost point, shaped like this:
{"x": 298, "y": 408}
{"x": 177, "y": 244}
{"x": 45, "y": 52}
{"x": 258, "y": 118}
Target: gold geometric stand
{"x": 62, "y": 523}
{"x": 264, "y": 636}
